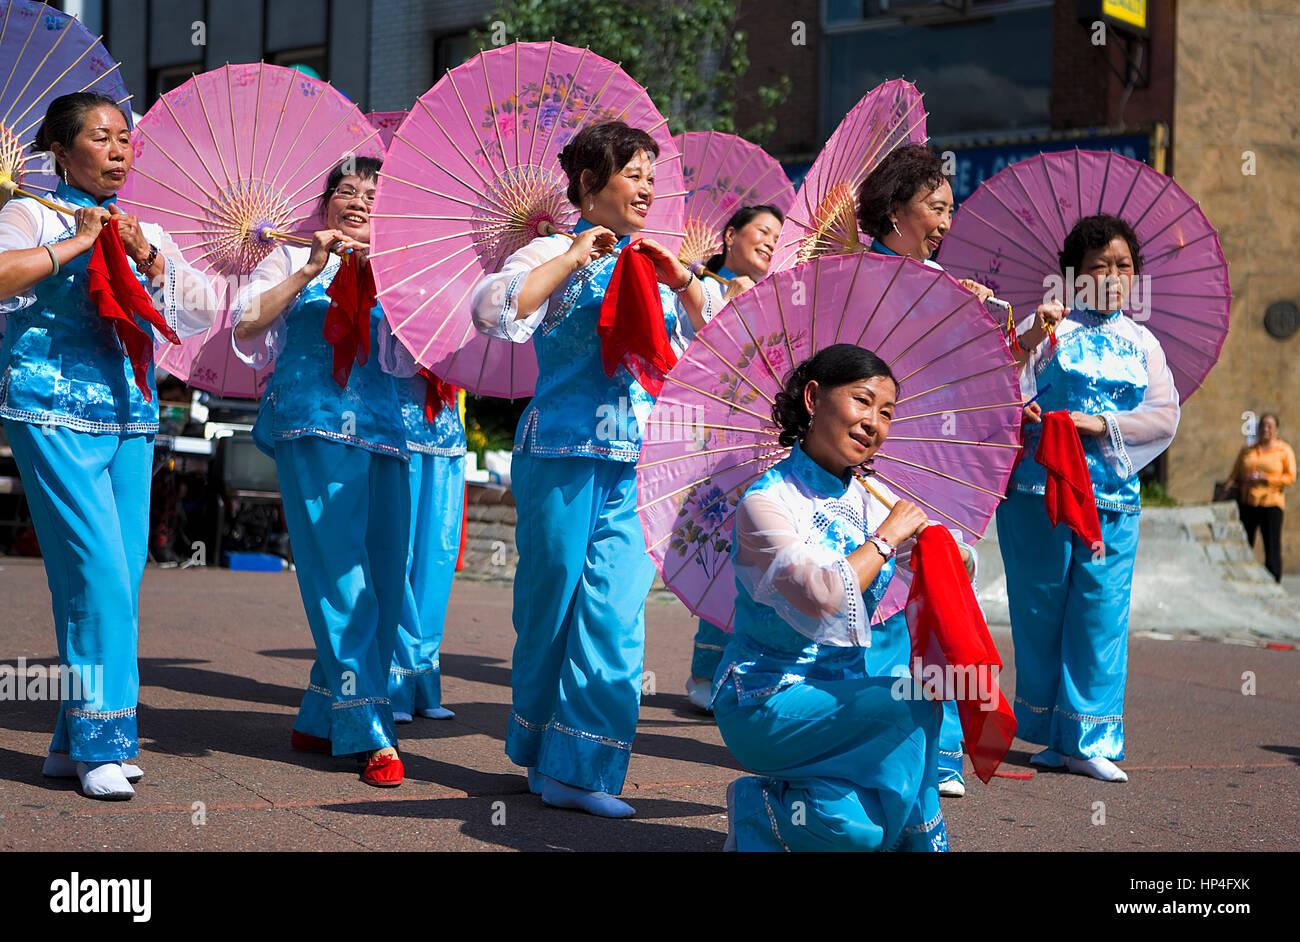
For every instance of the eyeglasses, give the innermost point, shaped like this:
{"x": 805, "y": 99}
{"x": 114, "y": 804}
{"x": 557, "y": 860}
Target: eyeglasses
{"x": 347, "y": 193}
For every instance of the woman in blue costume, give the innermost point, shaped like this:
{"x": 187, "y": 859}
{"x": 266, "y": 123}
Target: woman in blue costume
{"x": 82, "y": 432}
{"x": 583, "y": 575}
{"x": 905, "y": 205}
{"x": 1069, "y": 601}
{"x": 748, "y": 241}
{"x": 841, "y": 762}
{"x": 340, "y": 453}
{"x": 437, "y": 475}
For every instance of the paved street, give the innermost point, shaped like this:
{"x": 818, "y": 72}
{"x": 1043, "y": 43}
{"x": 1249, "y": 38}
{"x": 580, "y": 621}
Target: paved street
{"x": 224, "y": 657}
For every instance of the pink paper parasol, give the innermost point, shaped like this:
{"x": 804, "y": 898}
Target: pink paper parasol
{"x": 473, "y": 175}
{"x": 824, "y": 217}
{"x": 1008, "y": 233}
{"x": 229, "y": 164}
{"x": 44, "y": 54}
{"x": 722, "y": 173}
{"x": 955, "y": 434}
{"x": 386, "y": 123}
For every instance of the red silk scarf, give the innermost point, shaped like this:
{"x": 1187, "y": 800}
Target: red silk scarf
{"x": 1068, "y": 494}
{"x": 951, "y": 639}
{"x": 118, "y": 294}
{"x": 631, "y": 324}
{"x": 436, "y": 393}
{"x": 347, "y": 322}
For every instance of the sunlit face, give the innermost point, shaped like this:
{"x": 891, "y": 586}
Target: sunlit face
{"x": 923, "y": 221}
{"x": 852, "y": 421}
{"x": 624, "y": 203}
{"x": 749, "y": 249}
{"x": 349, "y": 208}
{"x": 100, "y": 156}
{"x": 1107, "y": 276}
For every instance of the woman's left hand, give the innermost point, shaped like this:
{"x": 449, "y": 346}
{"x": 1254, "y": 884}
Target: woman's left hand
{"x": 983, "y": 292}
{"x": 669, "y": 270}
{"x": 133, "y": 240}
{"x": 1088, "y": 424}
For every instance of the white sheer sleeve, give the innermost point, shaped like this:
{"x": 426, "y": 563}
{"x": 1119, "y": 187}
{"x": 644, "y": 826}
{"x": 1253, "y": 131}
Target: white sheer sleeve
{"x": 683, "y": 333}
{"x": 813, "y": 588}
{"x": 493, "y": 303}
{"x": 394, "y": 358}
{"x": 183, "y": 295}
{"x": 19, "y": 229}
{"x": 1135, "y": 438}
{"x": 261, "y": 350}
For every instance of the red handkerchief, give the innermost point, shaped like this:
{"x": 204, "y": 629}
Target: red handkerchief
{"x": 118, "y": 295}
{"x": 952, "y": 642}
{"x": 631, "y": 328}
{"x": 347, "y": 322}
{"x": 1068, "y": 494}
{"x": 436, "y": 393}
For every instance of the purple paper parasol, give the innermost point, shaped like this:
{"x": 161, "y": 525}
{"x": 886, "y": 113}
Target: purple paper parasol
{"x": 473, "y": 175}
{"x": 386, "y": 123}
{"x": 1009, "y": 232}
{"x": 723, "y": 173}
{"x": 824, "y": 217}
{"x": 44, "y": 54}
{"x": 229, "y": 164}
{"x": 955, "y": 434}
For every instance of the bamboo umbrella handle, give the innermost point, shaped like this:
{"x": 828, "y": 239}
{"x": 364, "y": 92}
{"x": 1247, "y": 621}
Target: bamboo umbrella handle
{"x": 286, "y": 237}
{"x": 7, "y": 183}
{"x": 703, "y": 272}
{"x": 866, "y": 482}
{"x": 547, "y": 229}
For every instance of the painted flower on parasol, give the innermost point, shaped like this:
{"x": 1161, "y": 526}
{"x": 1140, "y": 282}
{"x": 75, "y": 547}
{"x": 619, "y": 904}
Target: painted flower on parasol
{"x": 954, "y": 438}
{"x": 386, "y": 123}
{"x": 722, "y": 173}
{"x": 824, "y": 217}
{"x": 1009, "y": 232}
{"x": 473, "y": 175}
{"x": 231, "y": 163}
{"x": 43, "y": 54}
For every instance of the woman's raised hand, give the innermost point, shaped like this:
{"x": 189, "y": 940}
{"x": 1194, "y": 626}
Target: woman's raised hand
{"x": 589, "y": 245}
{"x": 738, "y": 286}
{"x": 327, "y": 242}
{"x": 90, "y": 221}
{"x": 983, "y": 292}
{"x": 1050, "y": 313}
{"x": 905, "y": 520}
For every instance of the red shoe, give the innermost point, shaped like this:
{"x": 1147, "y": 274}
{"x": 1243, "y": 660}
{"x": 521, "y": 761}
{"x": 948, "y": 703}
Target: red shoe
{"x": 384, "y": 771}
{"x": 304, "y": 743}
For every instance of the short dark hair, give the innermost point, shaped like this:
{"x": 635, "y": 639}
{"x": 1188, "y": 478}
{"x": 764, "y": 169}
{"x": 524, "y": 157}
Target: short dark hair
{"x": 1096, "y": 232}
{"x": 739, "y": 220}
{"x": 894, "y": 182}
{"x": 364, "y": 168}
{"x": 1273, "y": 416}
{"x": 64, "y": 116}
{"x": 604, "y": 149}
{"x": 836, "y": 365}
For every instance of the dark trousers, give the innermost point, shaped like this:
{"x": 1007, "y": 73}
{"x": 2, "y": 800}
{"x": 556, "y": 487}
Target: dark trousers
{"x": 1268, "y": 519}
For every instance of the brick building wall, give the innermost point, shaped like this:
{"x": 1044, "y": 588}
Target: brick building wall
{"x": 770, "y": 27}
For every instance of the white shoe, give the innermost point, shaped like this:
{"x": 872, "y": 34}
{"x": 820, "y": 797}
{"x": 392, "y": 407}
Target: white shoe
{"x": 699, "y": 694}
{"x": 401, "y": 717}
{"x": 952, "y": 788}
{"x": 61, "y": 765}
{"x": 1098, "y": 768}
{"x": 104, "y": 781}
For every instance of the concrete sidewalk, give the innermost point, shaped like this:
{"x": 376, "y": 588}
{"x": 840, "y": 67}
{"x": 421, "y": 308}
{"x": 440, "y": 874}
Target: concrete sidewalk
{"x": 224, "y": 657}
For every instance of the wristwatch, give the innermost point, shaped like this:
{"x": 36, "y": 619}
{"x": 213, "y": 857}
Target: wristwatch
{"x": 883, "y": 545}
{"x": 143, "y": 267}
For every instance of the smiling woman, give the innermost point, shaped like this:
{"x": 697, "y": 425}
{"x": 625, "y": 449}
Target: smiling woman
{"x": 583, "y": 573}
{"x": 840, "y": 763}
{"x": 80, "y": 414}
{"x": 332, "y": 420}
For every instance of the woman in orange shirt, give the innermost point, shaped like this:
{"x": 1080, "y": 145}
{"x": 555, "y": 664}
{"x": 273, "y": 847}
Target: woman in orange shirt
{"x": 1261, "y": 472}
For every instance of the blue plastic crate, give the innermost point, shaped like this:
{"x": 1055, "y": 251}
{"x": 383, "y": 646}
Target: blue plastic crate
{"x": 253, "y": 562}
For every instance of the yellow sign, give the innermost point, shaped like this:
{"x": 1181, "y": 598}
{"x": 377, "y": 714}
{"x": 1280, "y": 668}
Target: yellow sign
{"x": 1133, "y": 12}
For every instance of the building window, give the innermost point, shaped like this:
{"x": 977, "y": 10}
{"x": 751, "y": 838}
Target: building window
{"x": 313, "y": 57}
{"x": 979, "y": 75}
{"x": 451, "y": 50}
{"x": 173, "y": 76}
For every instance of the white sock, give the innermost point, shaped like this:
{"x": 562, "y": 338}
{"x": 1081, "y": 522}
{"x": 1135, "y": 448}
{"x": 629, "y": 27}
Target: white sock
{"x": 62, "y": 765}
{"x": 1098, "y": 768}
{"x": 104, "y": 780}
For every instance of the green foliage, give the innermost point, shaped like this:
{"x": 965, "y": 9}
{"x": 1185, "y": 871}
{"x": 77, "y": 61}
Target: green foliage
{"x": 1154, "y": 495}
{"x": 686, "y": 53}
